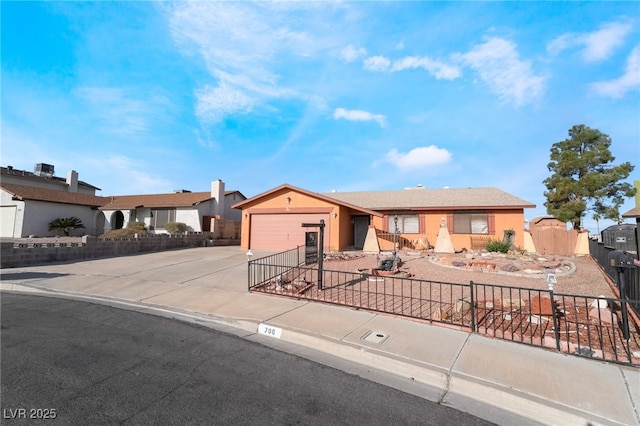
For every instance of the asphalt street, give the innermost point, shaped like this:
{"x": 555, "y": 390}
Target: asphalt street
{"x": 73, "y": 362}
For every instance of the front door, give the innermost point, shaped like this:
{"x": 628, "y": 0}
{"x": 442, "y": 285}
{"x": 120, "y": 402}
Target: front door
{"x": 360, "y": 229}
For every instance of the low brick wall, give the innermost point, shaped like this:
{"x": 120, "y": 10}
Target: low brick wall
{"x": 34, "y": 251}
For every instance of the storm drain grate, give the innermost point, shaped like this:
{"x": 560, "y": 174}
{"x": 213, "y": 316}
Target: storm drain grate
{"x": 375, "y": 337}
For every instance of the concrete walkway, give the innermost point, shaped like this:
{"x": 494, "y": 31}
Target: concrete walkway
{"x": 466, "y": 371}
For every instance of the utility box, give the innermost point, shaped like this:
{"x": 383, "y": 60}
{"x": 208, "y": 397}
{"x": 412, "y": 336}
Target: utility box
{"x": 620, "y": 237}
{"x": 620, "y": 259}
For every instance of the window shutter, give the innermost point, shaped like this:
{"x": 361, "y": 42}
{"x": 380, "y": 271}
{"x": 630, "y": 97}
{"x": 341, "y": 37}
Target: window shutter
{"x": 385, "y": 227}
{"x": 422, "y": 219}
{"x": 450, "y": 223}
{"x": 492, "y": 223}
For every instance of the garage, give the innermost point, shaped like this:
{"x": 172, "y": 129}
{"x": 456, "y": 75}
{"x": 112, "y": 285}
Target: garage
{"x": 283, "y": 231}
{"x": 7, "y": 221}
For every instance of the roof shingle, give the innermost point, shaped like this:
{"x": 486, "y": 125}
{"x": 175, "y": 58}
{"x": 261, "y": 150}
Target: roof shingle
{"x": 23, "y": 192}
{"x": 425, "y": 198}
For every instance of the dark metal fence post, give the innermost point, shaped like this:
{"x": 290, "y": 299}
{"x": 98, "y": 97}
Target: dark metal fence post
{"x": 623, "y": 302}
{"x": 249, "y": 275}
{"x": 320, "y": 254}
{"x": 473, "y": 308}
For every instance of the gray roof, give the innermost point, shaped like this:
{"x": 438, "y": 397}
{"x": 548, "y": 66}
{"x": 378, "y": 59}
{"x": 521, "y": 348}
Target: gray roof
{"x": 425, "y": 198}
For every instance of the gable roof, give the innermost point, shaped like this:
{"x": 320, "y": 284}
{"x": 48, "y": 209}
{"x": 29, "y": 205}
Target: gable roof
{"x": 22, "y": 192}
{"x": 176, "y": 199}
{"x": 433, "y": 199}
{"x": 331, "y": 200}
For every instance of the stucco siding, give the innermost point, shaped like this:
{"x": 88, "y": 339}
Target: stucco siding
{"x": 38, "y": 214}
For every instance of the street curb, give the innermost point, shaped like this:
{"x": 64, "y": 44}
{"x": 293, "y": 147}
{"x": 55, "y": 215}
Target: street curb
{"x": 446, "y": 386}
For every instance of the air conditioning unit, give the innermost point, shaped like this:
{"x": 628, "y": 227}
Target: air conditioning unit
{"x": 42, "y": 169}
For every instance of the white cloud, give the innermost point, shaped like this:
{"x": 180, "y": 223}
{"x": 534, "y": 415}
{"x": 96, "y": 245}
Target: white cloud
{"x": 216, "y": 102}
{"x": 498, "y": 64}
{"x": 629, "y": 81}
{"x": 358, "y": 115}
{"x": 127, "y": 175}
{"x": 352, "y": 53}
{"x": 597, "y": 45}
{"x": 424, "y": 156}
{"x": 242, "y": 45}
{"x": 438, "y": 69}
{"x": 377, "y": 63}
{"x": 120, "y": 112}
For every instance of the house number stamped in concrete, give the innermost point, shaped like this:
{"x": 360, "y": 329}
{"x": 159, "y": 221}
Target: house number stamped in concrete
{"x": 269, "y": 330}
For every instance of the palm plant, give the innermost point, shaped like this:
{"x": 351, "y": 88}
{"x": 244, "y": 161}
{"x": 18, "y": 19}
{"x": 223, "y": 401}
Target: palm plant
{"x": 65, "y": 224}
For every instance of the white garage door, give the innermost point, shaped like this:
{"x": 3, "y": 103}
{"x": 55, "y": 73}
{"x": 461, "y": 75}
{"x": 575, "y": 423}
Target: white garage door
{"x": 7, "y": 220}
{"x": 284, "y": 231}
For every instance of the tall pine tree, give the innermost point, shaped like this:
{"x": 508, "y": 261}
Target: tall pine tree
{"x": 583, "y": 178}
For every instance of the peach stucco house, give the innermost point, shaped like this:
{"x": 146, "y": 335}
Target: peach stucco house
{"x": 273, "y": 220}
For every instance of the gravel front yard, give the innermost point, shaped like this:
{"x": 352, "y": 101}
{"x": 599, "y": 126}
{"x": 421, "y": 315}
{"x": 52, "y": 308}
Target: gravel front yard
{"x": 586, "y": 280}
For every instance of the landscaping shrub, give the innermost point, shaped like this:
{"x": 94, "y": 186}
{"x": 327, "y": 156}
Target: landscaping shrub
{"x": 66, "y": 225}
{"x": 122, "y": 233}
{"x": 497, "y": 246}
{"x": 175, "y": 227}
{"x": 138, "y": 226}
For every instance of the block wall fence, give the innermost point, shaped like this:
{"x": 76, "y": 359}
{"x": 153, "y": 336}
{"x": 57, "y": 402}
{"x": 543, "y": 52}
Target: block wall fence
{"x": 25, "y": 252}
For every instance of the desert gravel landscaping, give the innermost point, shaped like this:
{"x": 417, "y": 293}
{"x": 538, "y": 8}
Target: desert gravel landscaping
{"x": 585, "y": 279}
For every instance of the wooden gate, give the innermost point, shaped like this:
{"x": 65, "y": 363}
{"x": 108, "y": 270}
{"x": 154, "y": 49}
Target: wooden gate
{"x": 550, "y": 236}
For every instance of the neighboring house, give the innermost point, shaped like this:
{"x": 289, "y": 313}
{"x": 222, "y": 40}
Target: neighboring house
{"x": 198, "y": 210}
{"x": 273, "y": 220}
{"x": 30, "y": 200}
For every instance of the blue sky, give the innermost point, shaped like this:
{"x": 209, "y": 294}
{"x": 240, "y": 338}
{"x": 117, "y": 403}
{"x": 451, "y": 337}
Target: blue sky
{"x": 149, "y": 97}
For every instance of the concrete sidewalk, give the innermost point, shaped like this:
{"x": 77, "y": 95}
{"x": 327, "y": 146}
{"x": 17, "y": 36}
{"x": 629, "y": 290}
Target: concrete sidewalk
{"x": 466, "y": 371}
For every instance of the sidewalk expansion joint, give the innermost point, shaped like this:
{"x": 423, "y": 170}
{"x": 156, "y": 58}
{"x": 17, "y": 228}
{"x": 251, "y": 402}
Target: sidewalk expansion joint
{"x": 636, "y": 409}
{"x": 449, "y": 373}
{"x": 286, "y": 312}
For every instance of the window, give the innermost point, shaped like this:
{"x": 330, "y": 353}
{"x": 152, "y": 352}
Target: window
{"x": 407, "y": 224}
{"x": 160, "y": 217}
{"x": 470, "y": 223}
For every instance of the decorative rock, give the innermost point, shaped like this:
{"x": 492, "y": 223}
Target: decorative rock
{"x": 600, "y": 302}
{"x": 541, "y": 306}
{"x": 535, "y": 319}
{"x": 603, "y": 315}
{"x": 462, "y": 305}
{"x": 445, "y": 261}
{"x": 509, "y": 267}
{"x": 488, "y": 305}
{"x": 512, "y": 303}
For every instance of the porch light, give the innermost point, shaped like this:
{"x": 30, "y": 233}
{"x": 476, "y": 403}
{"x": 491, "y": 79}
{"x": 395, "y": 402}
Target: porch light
{"x": 249, "y": 256}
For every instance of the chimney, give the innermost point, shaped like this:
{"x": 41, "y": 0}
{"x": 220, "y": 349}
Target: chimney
{"x": 217, "y": 192}
{"x": 72, "y": 181}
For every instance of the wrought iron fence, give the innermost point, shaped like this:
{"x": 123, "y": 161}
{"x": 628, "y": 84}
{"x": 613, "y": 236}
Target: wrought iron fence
{"x": 630, "y": 276}
{"x": 592, "y": 327}
{"x": 268, "y": 268}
